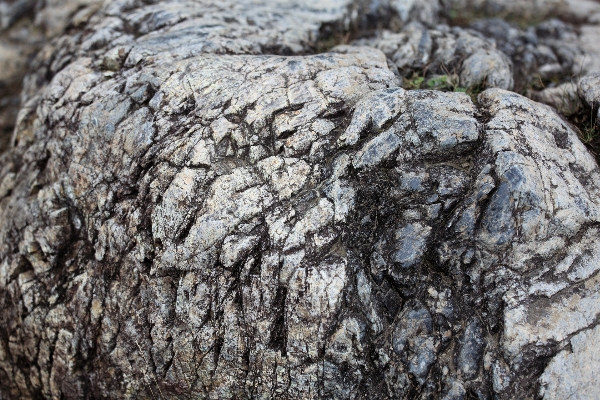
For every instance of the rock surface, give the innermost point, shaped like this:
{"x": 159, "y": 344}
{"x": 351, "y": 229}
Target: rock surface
{"x": 587, "y": 14}
{"x": 25, "y": 25}
{"x": 445, "y": 50}
{"x": 517, "y": 9}
{"x": 196, "y": 205}
{"x": 572, "y": 374}
{"x": 564, "y": 98}
{"x": 589, "y": 89}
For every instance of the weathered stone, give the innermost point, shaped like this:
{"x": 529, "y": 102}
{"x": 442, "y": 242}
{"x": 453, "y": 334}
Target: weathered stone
{"x": 517, "y": 9}
{"x": 572, "y": 374}
{"x": 549, "y": 52}
{"x": 563, "y": 97}
{"x": 491, "y": 53}
{"x": 589, "y": 89}
{"x": 470, "y": 350}
{"x": 24, "y": 27}
{"x": 487, "y": 68}
{"x": 456, "y": 50}
{"x": 589, "y": 33}
{"x": 426, "y": 12}
{"x": 196, "y": 205}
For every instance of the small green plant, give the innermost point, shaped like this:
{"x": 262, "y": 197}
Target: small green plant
{"x": 589, "y": 132}
{"x": 436, "y": 82}
{"x": 449, "y": 82}
{"x": 474, "y": 91}
{"x": 441, "y": 82}
{"x": 414, "y": 82}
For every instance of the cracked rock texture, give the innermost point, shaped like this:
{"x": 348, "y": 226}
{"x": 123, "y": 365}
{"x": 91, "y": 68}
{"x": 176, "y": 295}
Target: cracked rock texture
{"x": 25, "y": 25}
{"x": 195, "y": 204}
{"x": 443, "y": 50}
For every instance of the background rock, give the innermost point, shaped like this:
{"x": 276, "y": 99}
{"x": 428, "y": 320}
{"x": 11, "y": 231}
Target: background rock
{"x": 589, "y": 89}
{"x": 520, "y": 9}
{"x": 564, "y": 98}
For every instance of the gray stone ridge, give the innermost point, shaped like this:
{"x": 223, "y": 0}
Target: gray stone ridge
{"x": 198, "y": 203}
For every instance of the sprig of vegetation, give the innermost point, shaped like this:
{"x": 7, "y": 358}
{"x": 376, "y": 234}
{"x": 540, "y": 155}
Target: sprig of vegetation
{"x": 414, "y": 82}
{"x": 443, "y": 82}
{"x": 589, "y": 131}
{"x": 446, "y": 83}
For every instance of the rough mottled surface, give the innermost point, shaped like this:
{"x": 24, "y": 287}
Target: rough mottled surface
{"x": 589, "y": 89}
{"x": 563, "y": 97}
{"x": 548, "y": 52}
{"x": 445, "y": 50}
{"x": 581, "y": 362}
{"x": 195, "y": 205}
{"x": 521, "y": 9}
{"x": 488, "y": 53}
{"x": 25, "y": 25}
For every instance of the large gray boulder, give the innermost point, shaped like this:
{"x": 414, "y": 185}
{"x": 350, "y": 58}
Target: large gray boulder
{"x": 194, "y": 205}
